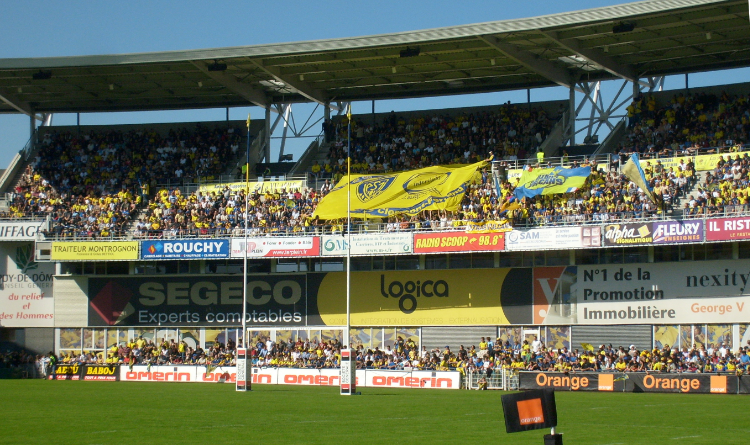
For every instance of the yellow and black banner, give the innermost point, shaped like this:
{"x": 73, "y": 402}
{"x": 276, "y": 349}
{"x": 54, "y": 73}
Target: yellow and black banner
{"x": 405, "y": 193}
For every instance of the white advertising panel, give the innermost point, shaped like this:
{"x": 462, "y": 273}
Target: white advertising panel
{"x": 141, "y": 373}
{"x": 20, "y": 231}
{"x": 25, "y": 288}
{"x": 292, "y": 376}
{"x": 279, "y": 246}
{"x": 376, "y": 244}
{"x": 413, "y": 379}
{"x": 661, "y": 293}
{"x": 553, "y": 238}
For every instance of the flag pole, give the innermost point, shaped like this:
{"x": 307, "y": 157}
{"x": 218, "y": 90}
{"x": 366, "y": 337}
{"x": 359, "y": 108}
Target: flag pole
{"x": 244, "y": 260}
{"x": 348, "y": 365}
{"x": 244, "y": 365}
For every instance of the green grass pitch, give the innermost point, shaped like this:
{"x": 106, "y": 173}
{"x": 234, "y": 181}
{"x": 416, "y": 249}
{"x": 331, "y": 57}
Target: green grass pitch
{"x": 76, "y": 412}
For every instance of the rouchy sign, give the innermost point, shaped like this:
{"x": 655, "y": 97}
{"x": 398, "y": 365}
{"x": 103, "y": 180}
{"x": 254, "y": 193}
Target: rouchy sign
{"x": 635, "y": 382}
{"x": 185, "y": 249}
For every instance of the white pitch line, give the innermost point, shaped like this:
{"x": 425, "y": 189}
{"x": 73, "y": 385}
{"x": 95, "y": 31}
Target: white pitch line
{"x": 684, "y": 437}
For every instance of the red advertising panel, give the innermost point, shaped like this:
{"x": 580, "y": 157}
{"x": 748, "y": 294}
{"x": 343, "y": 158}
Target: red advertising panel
{"x": 458, "y": 242}
{"x": 727, "y": 229}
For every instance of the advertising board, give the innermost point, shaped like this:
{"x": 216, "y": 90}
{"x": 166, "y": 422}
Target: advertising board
{"x": 293, "y": 376}
{"x": 278, "y": 300}
{"x": 727, "y": 229}
{"x": 651, "y": 293}
{"x": 185, "y": 249}
{"x": 685, "y": 383}
{"x": 376, "y": 244}
{"x": 628, "y": 234}
{"x": 20, "y": 231}
{"x": 685, "y": 231}
{"x": 553, "y": 238}
{"x": 94, "y": 250}
{"x": 26, "y": 290}
{"x": 443, "y": 242}
{"x": 276, "y": 247}
{"x": 385, "y": 298}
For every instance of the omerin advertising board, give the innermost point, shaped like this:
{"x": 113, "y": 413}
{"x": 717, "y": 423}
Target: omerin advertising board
{"x": 390, "y": 298}
{"x": 293, "y": 376}
{"x": 652, "y": 293}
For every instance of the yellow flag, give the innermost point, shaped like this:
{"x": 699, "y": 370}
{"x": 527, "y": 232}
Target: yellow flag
{"x": 587, "y": 347}
{"x": 633, "y": 171}
{"x": 349, "y": 113}
{"x": 405, "y": 193}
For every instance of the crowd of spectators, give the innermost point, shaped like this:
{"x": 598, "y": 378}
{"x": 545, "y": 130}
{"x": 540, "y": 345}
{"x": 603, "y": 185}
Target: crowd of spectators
{"x": 606, "y": 196}
{"x": 536, "y": 356}
{"x": 170, "y": 213}
{"x": 724, "y": 191}
{"x": 488, "y": 357}
{"x": 687, "y": 125}
{"x": 399, "y": 143}
{"x": 140, "y": 351}
{"x": 91, "y": 185}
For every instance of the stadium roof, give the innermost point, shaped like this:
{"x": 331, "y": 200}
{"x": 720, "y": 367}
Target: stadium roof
{"x": 629, "y": 41}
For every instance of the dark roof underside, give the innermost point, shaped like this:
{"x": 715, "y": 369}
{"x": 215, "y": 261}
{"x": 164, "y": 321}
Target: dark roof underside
{"x": 667, "y": 37}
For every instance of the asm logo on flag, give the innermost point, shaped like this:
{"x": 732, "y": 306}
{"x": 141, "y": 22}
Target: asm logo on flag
{"x": 370, "y": 187}
{"x": 530, "y": 411}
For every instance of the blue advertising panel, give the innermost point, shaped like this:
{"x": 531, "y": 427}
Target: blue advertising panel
{"x": 178, "y": 249}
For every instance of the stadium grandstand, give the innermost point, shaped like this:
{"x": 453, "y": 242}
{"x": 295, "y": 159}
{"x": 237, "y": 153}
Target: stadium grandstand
{"x": 128, "y": 244}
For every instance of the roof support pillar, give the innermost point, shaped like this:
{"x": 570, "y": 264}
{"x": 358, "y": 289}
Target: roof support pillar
{"x": 267, "y": 143}
{"x": 572, "y": 116}
{"x": 286, "y": 113}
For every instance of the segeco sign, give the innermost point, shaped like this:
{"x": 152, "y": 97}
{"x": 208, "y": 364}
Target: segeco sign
{"x": 277, "y": 300}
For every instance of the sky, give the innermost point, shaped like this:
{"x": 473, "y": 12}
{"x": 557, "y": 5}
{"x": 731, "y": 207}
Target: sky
{"x": 50, "y": 28}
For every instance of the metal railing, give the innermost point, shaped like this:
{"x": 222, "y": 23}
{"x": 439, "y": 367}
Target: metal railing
{"x": 502, "y": 379}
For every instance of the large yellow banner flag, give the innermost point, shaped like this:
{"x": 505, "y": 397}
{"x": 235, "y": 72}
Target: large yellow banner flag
{"x": 407, "y": 193}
